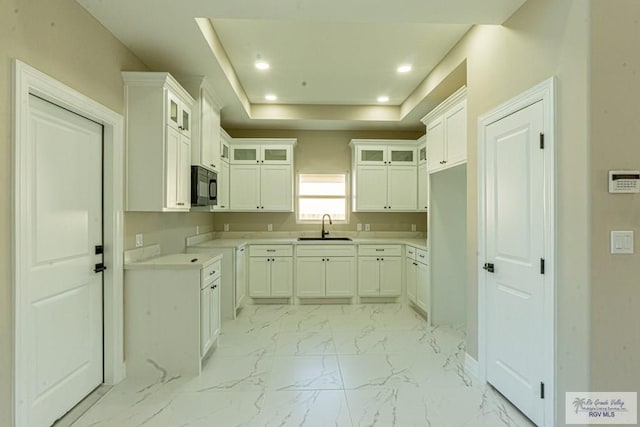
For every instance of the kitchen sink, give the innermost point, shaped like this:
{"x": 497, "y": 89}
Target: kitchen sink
{"x": 323, "y": 239}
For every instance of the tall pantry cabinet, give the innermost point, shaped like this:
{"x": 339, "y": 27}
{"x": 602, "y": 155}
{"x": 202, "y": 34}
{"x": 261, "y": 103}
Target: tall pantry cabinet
{"x": 158, "y": 138}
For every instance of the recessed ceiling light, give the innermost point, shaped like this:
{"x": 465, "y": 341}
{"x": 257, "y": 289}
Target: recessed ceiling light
{"x": 262, "y": 65}
{"x": 383, "y": 99}
{"x": 271, "y": 97}
{"x": 404, "y": 68}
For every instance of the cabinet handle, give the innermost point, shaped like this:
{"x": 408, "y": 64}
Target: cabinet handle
{"x": 261, "y": 207}
{"x": 257, "y": 161}
{"x": 328, "y": 260}
{"x": 444, "y": 161}
{"x": 322, "y": 259}
{"x": 377, "y": 259}
{"x": 381, "y": 259}
{"x": 214, "y": 286}
{"x": 415, "y": 263}
{"x": 212, "y": 165}
{"x": 212, "y": 273}
{"x": 379, "y": 250}
{"x": 271, "y": 250}
{"x": 257, "y": 207}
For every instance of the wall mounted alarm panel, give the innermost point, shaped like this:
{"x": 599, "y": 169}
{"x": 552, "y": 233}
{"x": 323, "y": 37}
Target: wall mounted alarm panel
{"x": 624, "y": 181}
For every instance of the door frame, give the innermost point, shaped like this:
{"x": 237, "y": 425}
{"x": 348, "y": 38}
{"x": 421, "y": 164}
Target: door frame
{"x": 27, "y": 80}
{"x": 545, "y": 92}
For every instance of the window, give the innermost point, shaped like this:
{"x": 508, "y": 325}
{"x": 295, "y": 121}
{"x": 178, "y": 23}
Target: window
{"x": 322, "y": 193}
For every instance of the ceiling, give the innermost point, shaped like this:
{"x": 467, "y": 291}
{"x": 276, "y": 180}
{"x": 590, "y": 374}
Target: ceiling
{"x": 330, "y": 59}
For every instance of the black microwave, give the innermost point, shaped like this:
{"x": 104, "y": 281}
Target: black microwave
{"x": 204, "y": 187}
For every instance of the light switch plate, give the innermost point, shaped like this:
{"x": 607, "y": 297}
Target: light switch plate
{"x": 413, "y": 227}
{"x": 358, "y": 227}
{"x": 622, "y": 242}
{"x": 269, "y": 227}
{"x": 367, "y": 227}
{"x": 226, "y": 227}
{"x": 139, "y": 241}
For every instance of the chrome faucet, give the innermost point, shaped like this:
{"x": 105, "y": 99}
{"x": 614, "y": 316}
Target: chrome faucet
{"x": 324, "y": 233}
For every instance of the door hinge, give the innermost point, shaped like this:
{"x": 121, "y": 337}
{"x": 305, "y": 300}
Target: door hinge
{"x": 541, "y": 390}
{"x": 541, "y": 265}
{"x": 542, "y": 141}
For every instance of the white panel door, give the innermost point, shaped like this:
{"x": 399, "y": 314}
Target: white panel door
{"x": 171, "y": 164}
{"x": 340, "y": 276}
{"x": 276, "y": 188}
{"x": 184, "y": 173}
{"x": 410, "y": 278}
{"x": 423, "y": 187}
{"x": 456, "y": 134}
{"x": 390, "y": 276}
{"x": 244, "y": 188}
{"x": 310, "y": 277}
{"x": 515, "y": 230}
{"x": 435, "y": 145}
{"x": 259, "y": 277}
{"x": 368, "y": 276}
{"x": 63, "y": 321}
{"x": 371, "y": 188}
{"x": 423, "y": 289}
{"x": 402, "y": 188}
{"x": 281, "y": 277}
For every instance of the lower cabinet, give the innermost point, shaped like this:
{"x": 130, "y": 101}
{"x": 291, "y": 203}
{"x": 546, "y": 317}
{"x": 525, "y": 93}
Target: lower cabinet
{"x": 270, "y": 271}
{"x": 379, "y": 270}
{"x": 325, "y": 271}
{"x": 418, "y": 279}
{"x": 172, "y": 316}
{"x": 209, "y": 314}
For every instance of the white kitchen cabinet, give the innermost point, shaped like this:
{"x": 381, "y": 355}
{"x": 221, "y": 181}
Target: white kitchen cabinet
{"x": 244, "y": 187}
{"x": 447, "y": 133}
{"x": 386, "y": 188}
{"x": 325, "y": 271}
{"x": 379, "y": 270}
{"x": 411, "y": 278}
{"x": 224, "y": 176}
{"x": 418, "y": 279}
{"x": 385, "y": 178}
{"x": 270, "y": 271}
{"x": 423, "y": 175}
{"x": 205, "y": 140}
{"x": 172, "y": 313}
{"x": 263, "y": 188}
{"x": 264, "y": 151}
{"x": 385, "y": 152}
{"x": 158, "y": 134}
{"x": 423, "y": 188}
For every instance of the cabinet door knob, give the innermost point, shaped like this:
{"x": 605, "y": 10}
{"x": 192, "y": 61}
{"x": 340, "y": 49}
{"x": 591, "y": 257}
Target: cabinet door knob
{"x": 261, "y": 207}
{"x": 322, "y": 259}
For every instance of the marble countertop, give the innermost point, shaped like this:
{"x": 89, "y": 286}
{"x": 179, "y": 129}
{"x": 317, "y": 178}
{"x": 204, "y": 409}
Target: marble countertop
{"x": 420, "y": 243}
{"x": 175, "y": 261}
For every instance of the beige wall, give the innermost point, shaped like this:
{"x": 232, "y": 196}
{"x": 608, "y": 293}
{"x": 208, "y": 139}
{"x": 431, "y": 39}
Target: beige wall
{"x": 321, "y": 150}
{"x": 544, "y": 38}
{"x": 615, "y": 126}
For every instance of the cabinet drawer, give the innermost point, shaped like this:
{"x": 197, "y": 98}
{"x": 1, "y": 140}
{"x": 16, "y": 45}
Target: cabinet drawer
{"x": 410, "y": 252}
{"x": 210, "y": 273}
{"x": 375, "y": 250}
{"x": 422, "y": 256}
{"x": 325, "y": 250}
{"x": 270, "y": 250}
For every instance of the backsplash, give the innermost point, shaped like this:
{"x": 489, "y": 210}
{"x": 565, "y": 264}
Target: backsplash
{"x": 167, "y": 229}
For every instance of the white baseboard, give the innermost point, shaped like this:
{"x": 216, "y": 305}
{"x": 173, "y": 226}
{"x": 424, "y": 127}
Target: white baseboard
{"x": 471, "y": 365}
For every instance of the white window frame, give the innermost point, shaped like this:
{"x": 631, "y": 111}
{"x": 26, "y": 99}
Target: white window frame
{"x": 347, "y": 195}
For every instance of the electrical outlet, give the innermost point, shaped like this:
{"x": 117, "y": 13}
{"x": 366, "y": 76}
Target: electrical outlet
{"x": 358, "y": 227}
{"x": 413, "y": 227}
{"x": 269, "y": 227}
{"x": 226, "y": 227}
{"x": 367, "y": 227}
{"x": 139, "y": 241}
{"x": 197, "y": 229}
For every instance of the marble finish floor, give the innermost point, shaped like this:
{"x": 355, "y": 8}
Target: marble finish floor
{"x": 310, "y": 365}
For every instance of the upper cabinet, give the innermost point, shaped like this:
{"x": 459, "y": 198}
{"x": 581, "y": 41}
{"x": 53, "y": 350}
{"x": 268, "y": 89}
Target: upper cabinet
{"x": 393, "y": 154}
{"x": 158, "y": 134}
{"x": 423, "y": 175}
{"x": 205, "y": 141}
{"x": 447, "y": 132}
{"x": 261, "y": 175}
{"x": 385, "y": 175}
{"x": 224, "y": 174}
{"x": 261, "y": 151}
